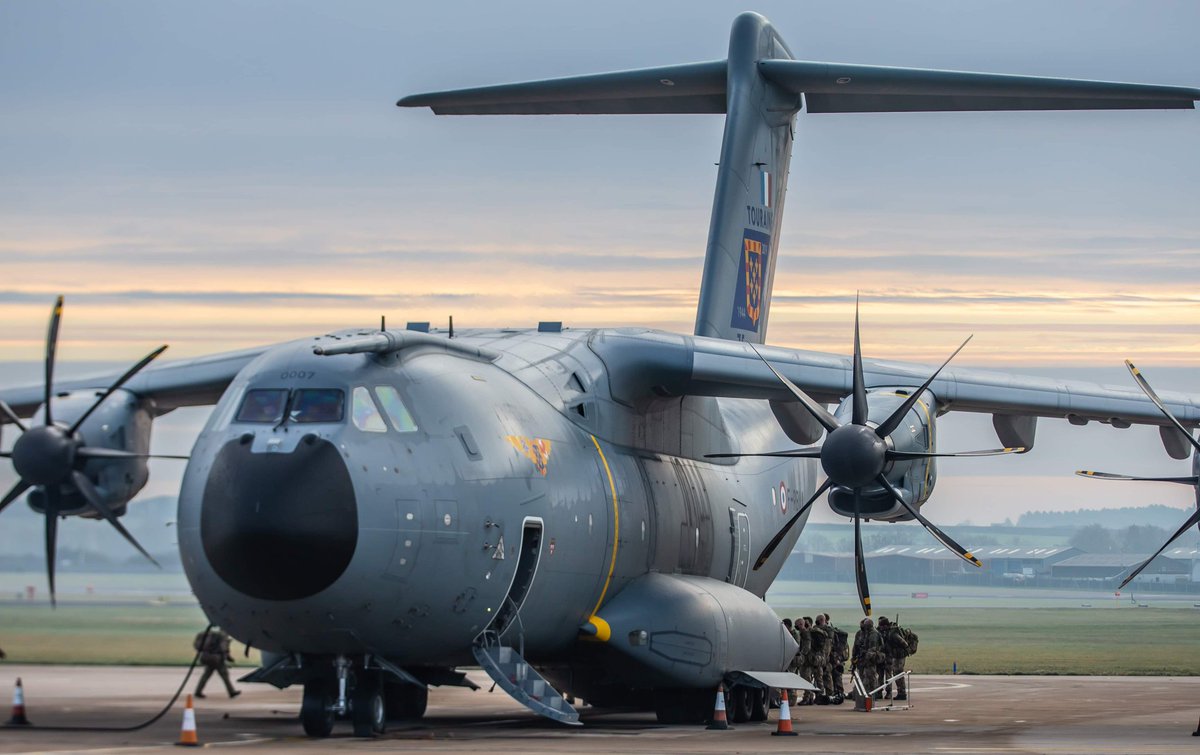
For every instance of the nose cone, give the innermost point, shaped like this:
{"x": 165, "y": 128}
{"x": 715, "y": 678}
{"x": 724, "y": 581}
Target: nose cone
{"x": 279, "y": 526}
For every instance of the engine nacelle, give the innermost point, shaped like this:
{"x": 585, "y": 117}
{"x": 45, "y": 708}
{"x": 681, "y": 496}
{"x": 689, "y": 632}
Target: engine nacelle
{"x": 914, "y": 479}
{"x": 123, "y": 423}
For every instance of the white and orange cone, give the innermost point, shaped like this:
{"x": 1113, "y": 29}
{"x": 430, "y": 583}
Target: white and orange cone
{"x": 719, "y": 721}
{"x": 187, "y": 735}
{"x": 784, "y": 729}
{"x": 18, "y": 711}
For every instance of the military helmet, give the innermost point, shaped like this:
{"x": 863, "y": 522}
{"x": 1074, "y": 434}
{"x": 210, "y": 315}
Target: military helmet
{"x": 884, "y": 620}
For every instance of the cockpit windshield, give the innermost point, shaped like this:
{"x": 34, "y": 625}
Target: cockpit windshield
{"x": 306, "y": 405}
{"x": 262, "y": 406}
{"x": 316, "y": 405}
{"x": 328, "y": 405}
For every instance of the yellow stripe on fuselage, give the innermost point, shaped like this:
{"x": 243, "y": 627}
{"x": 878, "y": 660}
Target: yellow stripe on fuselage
{"x": 612, "y": 486}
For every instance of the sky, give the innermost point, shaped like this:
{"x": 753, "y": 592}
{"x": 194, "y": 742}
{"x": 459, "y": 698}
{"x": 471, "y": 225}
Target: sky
{"x": 219, "y": 175}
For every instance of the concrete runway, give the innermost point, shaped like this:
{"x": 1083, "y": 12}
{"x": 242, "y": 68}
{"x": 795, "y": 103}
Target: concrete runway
{"x": 963, "y": 714}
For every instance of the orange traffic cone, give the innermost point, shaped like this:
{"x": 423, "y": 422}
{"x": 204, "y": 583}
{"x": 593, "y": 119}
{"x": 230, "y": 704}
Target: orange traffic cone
{"x": 718, "y": 718}
{"x": 187, "y": 735}
{"x": 784, "y": 729}
{"x": 18, "y": 714}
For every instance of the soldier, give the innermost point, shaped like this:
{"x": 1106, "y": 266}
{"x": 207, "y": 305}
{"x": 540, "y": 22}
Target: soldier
{"x": 805, "y": 656}
{"x": 822, "y": 652}
{"x": 213, "y": 647}
{"x": 896, "y": 650}
{"x": 868, "y": 653}
{"x": 838, "y": 655}
{"x": 794, "y": 664}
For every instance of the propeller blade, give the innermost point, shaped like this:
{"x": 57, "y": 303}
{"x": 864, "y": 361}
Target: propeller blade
{"x": 779, "y": 536}
{"x": 1192, "y": 520}
{"x": 860, "y": 563}
{"x": 12, "y": 416}
{"x": 1150, "y": 394}
{"x": 940, "y": 536}
{"x": 51, "y": 348}
{"x": 913, "y": 455}
{"x": 892, "y": 422}
{"x": 1110, "y": 476}
{"x": 88, "y": 452}
{"x": 96, "y": 501}
{"x": 120, "y": 382}
{"x": 53, "y": 506}
{"x": 14, "y": 494}
{"x": 799, "y": 453}
{"x": 858, "y": 414}
{"x": 819, "y": 413}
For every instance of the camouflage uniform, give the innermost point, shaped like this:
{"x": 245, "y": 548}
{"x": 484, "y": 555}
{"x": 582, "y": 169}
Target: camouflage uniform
{"x": 868, "y": 653}
{"x": 896, "y": 649}
{"x": 822, "y": 649}
{"x": 214, "y": 654}
{"x": 805, "y": 656}
{"x": 837, "y": 661}
{"x": 794, "y": 664}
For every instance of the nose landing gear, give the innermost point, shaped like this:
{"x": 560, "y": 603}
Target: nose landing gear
{"x": 349, "y": 692}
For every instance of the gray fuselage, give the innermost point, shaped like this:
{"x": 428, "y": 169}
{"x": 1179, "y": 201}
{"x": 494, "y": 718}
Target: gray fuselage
{"x": 324, "y": 538}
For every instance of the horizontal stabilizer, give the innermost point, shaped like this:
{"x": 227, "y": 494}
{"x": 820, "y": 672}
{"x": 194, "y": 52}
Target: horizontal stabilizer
{"x": 846, "y": 88}
{"x": 688, "y": 88}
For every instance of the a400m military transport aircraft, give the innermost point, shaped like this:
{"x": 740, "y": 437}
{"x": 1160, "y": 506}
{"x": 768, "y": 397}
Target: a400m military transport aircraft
{"x": 374, "y": 508}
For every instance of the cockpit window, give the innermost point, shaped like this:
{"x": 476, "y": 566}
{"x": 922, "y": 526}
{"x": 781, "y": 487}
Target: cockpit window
{"x": 317, "y": 405}
{"x": 262, "y": 406}
{"x": 397, "y": 412}
{"x": 366, "y": 415}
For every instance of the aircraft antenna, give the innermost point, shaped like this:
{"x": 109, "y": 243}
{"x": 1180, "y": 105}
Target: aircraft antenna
{"x": 451, "y": 326}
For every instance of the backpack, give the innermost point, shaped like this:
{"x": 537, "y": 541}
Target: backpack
{"x": 911, "y": 638}
{"x": 841, "y": 643}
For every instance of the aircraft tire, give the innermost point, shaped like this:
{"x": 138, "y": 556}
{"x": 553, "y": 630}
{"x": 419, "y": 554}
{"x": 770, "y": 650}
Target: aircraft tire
{"x": 316, "y": 709}
{"x": 405, "y": 702}
{"x": 367, "y": 709}
{"x": 741, "y": 704}
{"x": 761, "y": 706}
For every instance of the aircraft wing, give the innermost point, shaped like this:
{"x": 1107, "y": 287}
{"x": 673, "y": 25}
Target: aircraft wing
{"x": 643, "y": 364}
{"x": 186, "y": 382}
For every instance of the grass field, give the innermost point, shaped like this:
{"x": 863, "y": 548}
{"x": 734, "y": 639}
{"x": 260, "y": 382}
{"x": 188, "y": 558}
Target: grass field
{"x": 985, "y": 631}
{"x": 1017, "y": 631}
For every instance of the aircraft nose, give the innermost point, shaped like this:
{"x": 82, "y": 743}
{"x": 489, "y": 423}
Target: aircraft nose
{"x": 279, "y": 526}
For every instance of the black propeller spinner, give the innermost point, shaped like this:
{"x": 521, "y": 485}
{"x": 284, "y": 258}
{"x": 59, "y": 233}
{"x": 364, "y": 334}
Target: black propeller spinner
{"x": 1194, "y": 480}
{"x": 855, "y": 454}
{"x": 49, "y": 456}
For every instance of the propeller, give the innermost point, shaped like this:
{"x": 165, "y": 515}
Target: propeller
{"x": 1194, "y": 480}
{"x": 49, "y": 456}
{"x": 855, "y": 455}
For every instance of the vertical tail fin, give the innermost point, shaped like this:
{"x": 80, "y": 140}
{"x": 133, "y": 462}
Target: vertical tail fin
{"x": 760, "y": 88}
{"x": 743, "y": 234}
